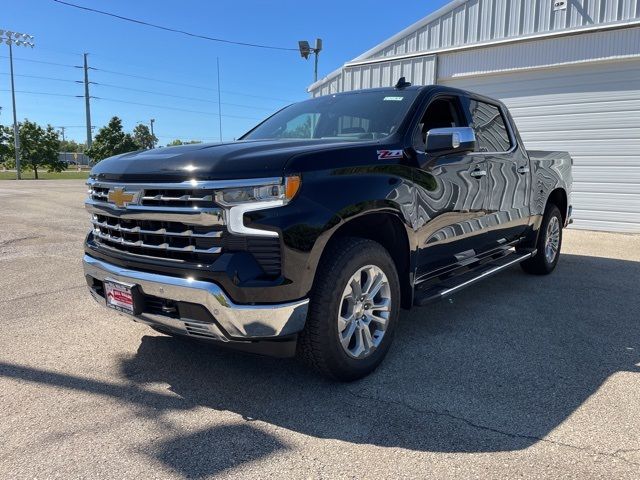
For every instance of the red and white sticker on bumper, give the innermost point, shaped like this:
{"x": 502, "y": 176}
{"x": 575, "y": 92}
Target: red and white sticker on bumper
{"x": 388, "y": 154}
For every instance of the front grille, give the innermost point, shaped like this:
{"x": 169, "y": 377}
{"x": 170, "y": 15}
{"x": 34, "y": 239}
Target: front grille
{"x": 149, "y": 237}
{"x": 171, "y": 198}
{"x": 178, "y": 198}
{"x": 99, "y": 194}
{"x": 148, "y": 229}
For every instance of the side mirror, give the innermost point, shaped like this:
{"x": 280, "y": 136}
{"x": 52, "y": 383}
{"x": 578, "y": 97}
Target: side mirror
{"x": 447, "y": 140}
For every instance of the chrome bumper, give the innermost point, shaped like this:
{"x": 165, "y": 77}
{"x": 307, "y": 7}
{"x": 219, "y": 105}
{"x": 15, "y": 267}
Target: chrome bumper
{"x": 236, "y": 322}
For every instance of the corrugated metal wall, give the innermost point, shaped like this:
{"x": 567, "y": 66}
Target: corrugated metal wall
{"x": 588, "y": 47}
{"x": 591, "y": 110}
{"x": 485, "y": 20}
{"x": 419, "y": 71}
{"x": 478, "y": 21}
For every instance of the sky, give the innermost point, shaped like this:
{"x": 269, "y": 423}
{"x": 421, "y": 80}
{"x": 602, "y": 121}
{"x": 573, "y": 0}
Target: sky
{"x": 179, "y": 90}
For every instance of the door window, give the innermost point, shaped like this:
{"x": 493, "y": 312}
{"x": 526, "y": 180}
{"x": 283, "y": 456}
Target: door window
{"x": 441, "y": 113}
{"x": 490, "y": 127}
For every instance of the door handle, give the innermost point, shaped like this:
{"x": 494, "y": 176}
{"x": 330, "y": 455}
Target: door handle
{"x": 523, "y": 170}
{"x": 478, "y": 173}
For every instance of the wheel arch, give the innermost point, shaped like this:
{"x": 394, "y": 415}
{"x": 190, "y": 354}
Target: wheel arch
{"x": 387, "y": 229}
{"x": 558, "y": 197}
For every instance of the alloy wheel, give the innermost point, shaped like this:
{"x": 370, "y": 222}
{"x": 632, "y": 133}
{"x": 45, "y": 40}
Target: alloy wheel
{"x": 552, "y": 242}
{"x": 364, "y": 312}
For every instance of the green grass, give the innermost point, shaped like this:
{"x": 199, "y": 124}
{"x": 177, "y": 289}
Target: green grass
{"x": 67, "y": 175}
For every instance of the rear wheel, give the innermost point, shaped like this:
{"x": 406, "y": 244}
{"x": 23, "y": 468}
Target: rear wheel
{"x": 549, "y": 244}
{"x": 353, "y": 311}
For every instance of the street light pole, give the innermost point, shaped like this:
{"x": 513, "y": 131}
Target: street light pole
{"x": 306, "y": 50}
{"x": 19, "y": 39}
{"x": 62, "y": 129}
{"x": 16, "y": 133}
{"x": 153, "y": 138}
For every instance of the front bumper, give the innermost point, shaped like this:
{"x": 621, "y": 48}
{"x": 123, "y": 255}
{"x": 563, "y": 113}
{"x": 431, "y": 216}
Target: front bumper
{"x": 176, "y": 304}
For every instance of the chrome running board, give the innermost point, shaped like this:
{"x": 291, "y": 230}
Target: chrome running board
{"x": 443, "y": 288}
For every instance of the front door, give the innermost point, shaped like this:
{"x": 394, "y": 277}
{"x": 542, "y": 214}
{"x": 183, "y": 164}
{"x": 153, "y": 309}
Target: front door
{"x": 451, "y": 197}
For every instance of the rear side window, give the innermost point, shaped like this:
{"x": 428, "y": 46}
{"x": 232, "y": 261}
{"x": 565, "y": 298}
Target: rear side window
{"x": 490, "y": 127}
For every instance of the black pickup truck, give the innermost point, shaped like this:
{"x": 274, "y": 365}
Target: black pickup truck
{"x": 309, "y": 234}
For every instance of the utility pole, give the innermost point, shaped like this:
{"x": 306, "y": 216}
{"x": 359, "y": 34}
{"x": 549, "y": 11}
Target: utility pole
{"x": 63, "y": 141}
{"x": 87, "y": 104}
{"x": 153, "y": 138}
{"x": 219, "y": 100}
{"x": 24, "y": 40}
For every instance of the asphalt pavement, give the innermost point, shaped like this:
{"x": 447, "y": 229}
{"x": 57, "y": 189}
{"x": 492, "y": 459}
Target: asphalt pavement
{"x": 517, "y": 377}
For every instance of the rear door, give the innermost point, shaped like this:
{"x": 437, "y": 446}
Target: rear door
{"x": 509, "y": 176}
{"x": 452, "y": 192}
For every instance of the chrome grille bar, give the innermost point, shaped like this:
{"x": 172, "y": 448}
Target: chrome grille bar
{"x": 162, "y": 231}
{"x": 163, "y": 246}
{"x": 189, "y": 216}
{"x": 182, "y": 198}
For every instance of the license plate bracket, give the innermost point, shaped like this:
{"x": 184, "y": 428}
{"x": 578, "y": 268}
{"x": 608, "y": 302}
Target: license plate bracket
{"x": 121, "y": 296}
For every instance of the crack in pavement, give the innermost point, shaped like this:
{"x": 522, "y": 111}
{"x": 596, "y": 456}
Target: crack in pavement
{"x": 615, "y": 454}
{"x": 39, "y": 294}
{"x": 19, "y": 239}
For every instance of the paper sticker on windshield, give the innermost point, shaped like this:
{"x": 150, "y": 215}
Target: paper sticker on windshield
{"x": 393, "y": 99}
{"x": 387, "y": 154}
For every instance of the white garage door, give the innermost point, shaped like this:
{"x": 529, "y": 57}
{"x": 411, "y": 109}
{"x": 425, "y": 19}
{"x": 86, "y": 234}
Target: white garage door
{"x": 591, "y": 110}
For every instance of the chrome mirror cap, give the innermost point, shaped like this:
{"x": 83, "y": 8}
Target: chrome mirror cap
{"x": 455, "y": 139}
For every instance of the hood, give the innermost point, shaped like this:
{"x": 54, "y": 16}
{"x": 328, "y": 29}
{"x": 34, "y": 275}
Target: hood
{"x": 220, "y": 161}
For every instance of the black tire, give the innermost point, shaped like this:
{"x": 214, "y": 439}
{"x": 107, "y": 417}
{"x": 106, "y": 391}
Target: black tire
{"x": 318, "y": 344}
{"x": 540, "y": 264}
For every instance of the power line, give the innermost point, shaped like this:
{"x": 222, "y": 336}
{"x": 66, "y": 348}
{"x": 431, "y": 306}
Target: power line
{"x": 132, "y": 103}
{"x": 174, "y": 108}
{"x": 40, "y": 61}
{"x": 164, "y": 94}
{"x": 108, "y": 85}
{"x": 180, "y": 84}
{"x": 40, "y": 77}
{"x": 40, "y": 93}
{"x": 174, "y": 30}
{"x": 257, "y": 96}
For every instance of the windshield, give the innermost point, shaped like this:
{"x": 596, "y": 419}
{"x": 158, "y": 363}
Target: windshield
{"x": 364, "y": 115}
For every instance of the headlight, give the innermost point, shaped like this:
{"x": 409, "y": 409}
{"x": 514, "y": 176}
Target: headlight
{"x": 260, "y": 196}
{"x": 283, "y": 191}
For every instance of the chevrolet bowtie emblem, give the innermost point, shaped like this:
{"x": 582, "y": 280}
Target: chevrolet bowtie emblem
{"x": 120, "y": 198}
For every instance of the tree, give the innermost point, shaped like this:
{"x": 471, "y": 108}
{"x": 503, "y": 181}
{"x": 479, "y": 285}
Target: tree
{"x": 301, "y": 131}
{"x": 143, "y": 137}
{"x": 4, "y": 143}
{"x": 111, "y": 140}
{"x": 38, "y": 148}
{"x": 177, "y": 142}
{"x": 71, "y": 146}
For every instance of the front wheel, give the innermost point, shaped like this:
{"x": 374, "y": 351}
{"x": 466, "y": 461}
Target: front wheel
{"x": 549, "y": 243}
{"x": 353, "y": 311}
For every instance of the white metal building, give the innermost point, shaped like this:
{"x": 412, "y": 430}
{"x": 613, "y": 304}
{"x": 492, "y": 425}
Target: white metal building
{"x": 569, "y": 70}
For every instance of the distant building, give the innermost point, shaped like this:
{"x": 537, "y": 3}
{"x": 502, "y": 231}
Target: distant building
{"x": 73, "y": 158}
{"x": 569, "y": 70}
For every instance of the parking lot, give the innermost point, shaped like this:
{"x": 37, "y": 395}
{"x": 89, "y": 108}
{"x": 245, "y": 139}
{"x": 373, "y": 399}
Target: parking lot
{"x": 519, "y": 376}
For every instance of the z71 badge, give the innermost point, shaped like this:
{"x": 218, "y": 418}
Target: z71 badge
{"x": 386, "y": 154}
